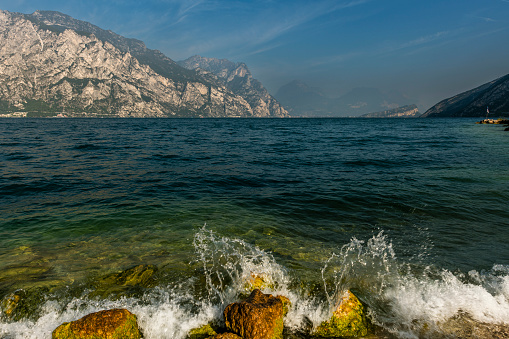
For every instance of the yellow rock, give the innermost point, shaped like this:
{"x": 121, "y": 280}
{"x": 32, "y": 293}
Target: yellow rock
{"x": 348, "y": 320}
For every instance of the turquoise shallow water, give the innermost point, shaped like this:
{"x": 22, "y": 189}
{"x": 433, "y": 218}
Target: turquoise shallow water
{"x": 410, "y": 213}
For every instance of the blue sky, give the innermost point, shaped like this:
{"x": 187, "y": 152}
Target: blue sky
{"x": 429, "y": 50}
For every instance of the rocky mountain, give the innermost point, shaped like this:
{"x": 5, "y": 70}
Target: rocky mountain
{"x": 238, "y": 79}
{"x": 408, "y": 111}
{"x": 473, "y": 103}
{"x": 51, "y": 63}
{"x": 303, "y": 100}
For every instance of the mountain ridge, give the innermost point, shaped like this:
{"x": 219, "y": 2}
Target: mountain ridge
{"x": 51, "y": 62}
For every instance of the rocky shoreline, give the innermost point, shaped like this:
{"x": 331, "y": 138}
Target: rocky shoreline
{"x": 499, "y": 121}
{"x": 255, "y": 315}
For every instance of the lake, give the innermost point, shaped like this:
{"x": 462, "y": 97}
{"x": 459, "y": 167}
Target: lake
{"x": 411, "y": 214}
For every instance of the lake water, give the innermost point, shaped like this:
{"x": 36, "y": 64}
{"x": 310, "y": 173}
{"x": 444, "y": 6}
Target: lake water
{"x": 411, "y": 214}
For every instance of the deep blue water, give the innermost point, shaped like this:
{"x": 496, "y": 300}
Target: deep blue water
{"x": 407, "y": 202}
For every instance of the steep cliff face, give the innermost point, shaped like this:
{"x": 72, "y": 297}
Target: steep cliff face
{"x": 473, "y": 103}
{"x": 52, "y": 63}
{"x": 238, "y": 79}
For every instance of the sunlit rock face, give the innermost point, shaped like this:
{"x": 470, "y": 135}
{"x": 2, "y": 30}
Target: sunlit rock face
{"x": 51, "y": 63}
{"x": 238, "y": 79}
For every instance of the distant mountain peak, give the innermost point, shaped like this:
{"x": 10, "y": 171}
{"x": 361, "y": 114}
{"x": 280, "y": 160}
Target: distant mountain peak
{"x": 237, "y": 78}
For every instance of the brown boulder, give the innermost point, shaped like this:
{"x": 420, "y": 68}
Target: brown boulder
{"x": 225, "y": 336}
{"x": 108, "y": 324}
{"x": 260, "y": 316}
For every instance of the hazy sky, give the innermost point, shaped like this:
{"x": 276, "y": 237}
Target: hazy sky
{"x": 429, "y": 50}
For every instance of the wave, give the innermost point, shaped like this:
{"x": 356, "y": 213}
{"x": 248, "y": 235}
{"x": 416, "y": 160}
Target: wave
{"x": 406, "y": 300}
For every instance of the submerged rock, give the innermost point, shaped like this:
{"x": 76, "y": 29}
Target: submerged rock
{"x": 126, "y": 282}
{"x": 108, "y": 324}
{"x": 140, "y": 275}
{"x": 465, "y": 327}
{"x": 11, "y": 302}
{"x": 348, "y": 320}
{"x": 260, "y": 316}
{"x": 22, "y": 304}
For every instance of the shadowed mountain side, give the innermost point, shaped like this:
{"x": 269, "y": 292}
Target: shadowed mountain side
{"x": 474, "y": 103}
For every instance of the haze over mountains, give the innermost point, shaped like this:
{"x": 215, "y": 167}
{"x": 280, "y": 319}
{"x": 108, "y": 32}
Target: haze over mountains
{"x": 302, "y": 100}
{"x": 50, "y": 62}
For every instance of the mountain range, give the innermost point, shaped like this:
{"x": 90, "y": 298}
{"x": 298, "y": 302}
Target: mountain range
{"x": 493, "y": 96}
{"x": 52, "y": 63}
{"x": 302, "y": 100}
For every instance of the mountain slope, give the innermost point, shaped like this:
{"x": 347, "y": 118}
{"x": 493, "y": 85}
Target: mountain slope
{"x": 408, "y": 111}
{"x": 50, "y": 62}
{"x": 238, "y": 79}
{"x": 473, "y": 103}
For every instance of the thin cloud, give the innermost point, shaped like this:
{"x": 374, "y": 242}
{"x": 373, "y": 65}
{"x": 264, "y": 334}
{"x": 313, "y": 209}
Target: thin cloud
{"x": 266, "y": 25}
{"x": 487, "y": 19}
{"x": 425, "y": 39}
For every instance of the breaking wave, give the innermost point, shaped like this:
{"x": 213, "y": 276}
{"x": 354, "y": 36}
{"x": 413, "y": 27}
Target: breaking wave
{"x": 404, "y": 299}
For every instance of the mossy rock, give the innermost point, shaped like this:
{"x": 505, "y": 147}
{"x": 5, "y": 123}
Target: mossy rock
{"x": 203, "y": 332}
{"x": 258, "y": 281}
{"x": 348, "y": 320}
{"x": 108, "y": 324}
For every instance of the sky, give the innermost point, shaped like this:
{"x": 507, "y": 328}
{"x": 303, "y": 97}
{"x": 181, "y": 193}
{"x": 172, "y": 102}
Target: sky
{"x": 428, "y": 50}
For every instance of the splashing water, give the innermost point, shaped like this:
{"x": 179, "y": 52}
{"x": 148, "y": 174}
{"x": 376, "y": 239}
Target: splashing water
{"x": 358, "y": 265}
{"x": 229, "y": 263}
{"x": 414, "y": 302}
